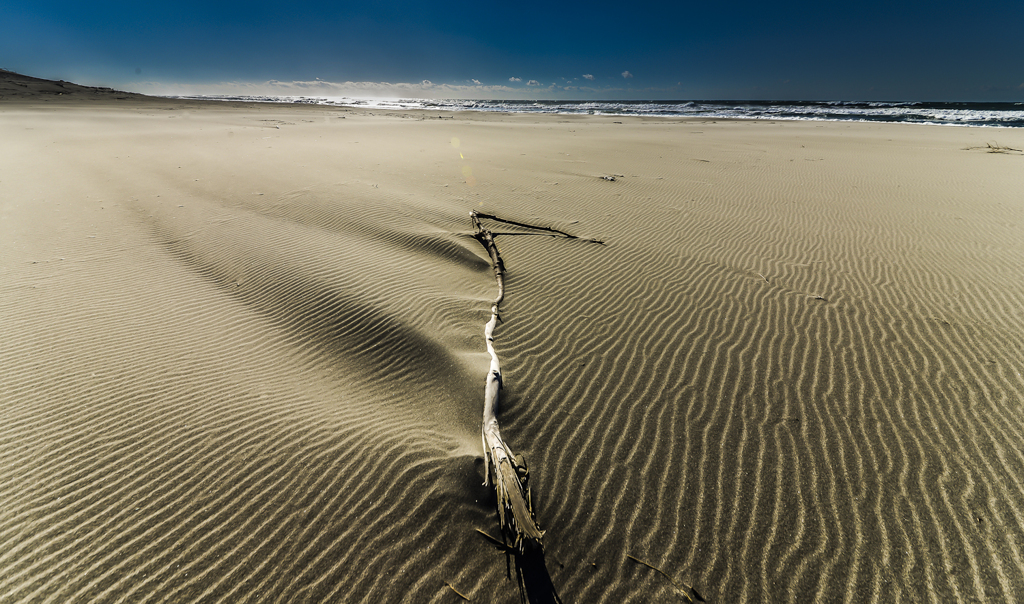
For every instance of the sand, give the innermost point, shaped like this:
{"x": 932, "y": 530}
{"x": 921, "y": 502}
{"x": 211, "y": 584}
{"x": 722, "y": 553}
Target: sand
{"x": 242, "y": 354}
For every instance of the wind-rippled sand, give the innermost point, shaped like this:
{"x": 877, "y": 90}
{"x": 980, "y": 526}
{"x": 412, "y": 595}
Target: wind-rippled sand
{"x": 243, "y": 356}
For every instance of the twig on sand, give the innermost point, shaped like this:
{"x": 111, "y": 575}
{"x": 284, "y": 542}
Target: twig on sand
{"x": 994, "y": 148}
{"x": 479, "y": 215}
{"x": 457, "y": 592}
{"x": 685, "y": 589}
{"x": 496, "y": 542}
{"x": 997, "y": 148}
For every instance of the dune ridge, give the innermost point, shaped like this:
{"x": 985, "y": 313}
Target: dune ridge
{"x": 244, "y": 363}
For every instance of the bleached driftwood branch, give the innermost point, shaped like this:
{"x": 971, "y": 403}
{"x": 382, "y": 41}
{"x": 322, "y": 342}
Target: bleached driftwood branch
{"x": 522, "y": 538}
{"x": 515, "y": 509}
{"x": 519, "y": 526}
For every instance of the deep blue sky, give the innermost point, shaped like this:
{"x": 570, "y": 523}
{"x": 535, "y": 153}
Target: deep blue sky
{"x": 864, "y": 50}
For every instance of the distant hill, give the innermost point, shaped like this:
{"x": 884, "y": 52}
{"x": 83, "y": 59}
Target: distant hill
{"x": 15, "y": 86}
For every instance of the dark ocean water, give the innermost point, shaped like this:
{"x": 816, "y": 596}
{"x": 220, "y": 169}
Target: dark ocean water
{"x": 963, "y": 114}
{"x": 1009, "y": 115}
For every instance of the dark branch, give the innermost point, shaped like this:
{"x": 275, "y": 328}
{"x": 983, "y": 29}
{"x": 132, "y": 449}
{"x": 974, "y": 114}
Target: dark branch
{"x": 478, "y": 215}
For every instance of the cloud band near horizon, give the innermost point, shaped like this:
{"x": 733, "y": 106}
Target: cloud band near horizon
{"x": 365, "y": 89}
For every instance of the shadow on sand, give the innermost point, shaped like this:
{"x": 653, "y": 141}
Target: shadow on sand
{"x": 531, "y": 573}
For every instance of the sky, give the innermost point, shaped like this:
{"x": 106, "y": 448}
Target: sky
{"x": 682, "y": 50}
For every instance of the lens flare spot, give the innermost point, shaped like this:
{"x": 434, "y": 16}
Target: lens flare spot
{"x": 456, "y": 142}
{"x": 468, "y": 173}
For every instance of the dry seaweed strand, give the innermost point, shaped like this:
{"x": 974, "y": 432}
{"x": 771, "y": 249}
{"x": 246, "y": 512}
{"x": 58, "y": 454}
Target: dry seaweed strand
{"x": 685, "y": 589}
{"x": 457, "y": 592}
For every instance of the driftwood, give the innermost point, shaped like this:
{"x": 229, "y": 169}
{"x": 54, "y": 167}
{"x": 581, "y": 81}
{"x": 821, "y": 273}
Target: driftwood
{"x": 511, "y": 477}
{"x": 510, "y": 474}
{"x": 522, "y": 538}
{"x": 548, "y": 230}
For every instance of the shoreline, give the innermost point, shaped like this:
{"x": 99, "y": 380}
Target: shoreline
{"x": 471, "y": 111}
{"x": 962, "y": 114}
{"x": 453, "y": 106}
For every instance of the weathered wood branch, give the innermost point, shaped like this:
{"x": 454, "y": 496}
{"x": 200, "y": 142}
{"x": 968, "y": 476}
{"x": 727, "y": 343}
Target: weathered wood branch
{"x": 510, "y": 476}
{"x": 486, "y": 239}
{"x": 476, "y": 223}
{"x": 522, "y": 538}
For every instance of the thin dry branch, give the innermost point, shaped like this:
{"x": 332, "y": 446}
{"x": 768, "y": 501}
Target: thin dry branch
{"x": 486, "y": 239}
{"x": 478, "y": 215}
{"x": 457, "y": 592}
{"x": 497, "y": 543}
{"x": 995, "y": 148}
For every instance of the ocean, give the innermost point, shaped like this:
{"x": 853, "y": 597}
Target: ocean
{"x": 1005, "y": 115}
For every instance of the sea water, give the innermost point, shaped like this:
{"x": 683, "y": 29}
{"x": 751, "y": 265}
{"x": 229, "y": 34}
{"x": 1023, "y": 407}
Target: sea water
{"x": 1009, "y": 115}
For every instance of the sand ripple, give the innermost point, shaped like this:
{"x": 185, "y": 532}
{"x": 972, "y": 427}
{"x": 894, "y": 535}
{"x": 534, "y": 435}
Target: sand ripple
{"x": 778, "y": 381}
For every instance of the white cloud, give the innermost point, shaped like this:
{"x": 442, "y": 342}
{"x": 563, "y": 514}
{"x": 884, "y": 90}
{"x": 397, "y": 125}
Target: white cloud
{"x": 588, "y": 76}
{"x": 515, "y": 79}
{"x": 348, "y": 91}
{"x": 626, "y": 75}
{"x": 326, "y": 89}
{"x": 477, "y": 82}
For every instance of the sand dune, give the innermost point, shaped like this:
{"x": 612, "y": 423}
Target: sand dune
{"x": 242, "y": 356}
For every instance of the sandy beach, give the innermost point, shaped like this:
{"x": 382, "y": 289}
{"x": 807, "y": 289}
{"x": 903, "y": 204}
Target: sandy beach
{"x": 242, "y": 354}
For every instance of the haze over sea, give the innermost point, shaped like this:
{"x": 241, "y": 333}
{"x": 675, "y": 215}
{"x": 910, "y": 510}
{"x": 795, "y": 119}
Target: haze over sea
{"x": 992, "y": 114}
